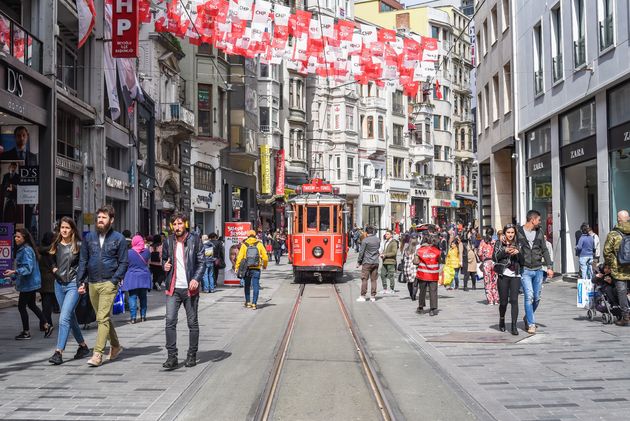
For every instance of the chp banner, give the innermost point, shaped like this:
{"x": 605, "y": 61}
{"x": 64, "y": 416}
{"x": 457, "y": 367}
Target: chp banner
{"x": 235, "y": 233}
{"x": 125, "y": 28}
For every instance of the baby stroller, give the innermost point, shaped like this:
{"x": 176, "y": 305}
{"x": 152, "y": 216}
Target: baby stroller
{"x": 604, "y": 301}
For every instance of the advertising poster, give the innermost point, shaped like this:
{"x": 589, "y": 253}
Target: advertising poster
{"x": 19, "y": 149}
{"x": 234, "y": 233}
{"x": 6, "y": 247}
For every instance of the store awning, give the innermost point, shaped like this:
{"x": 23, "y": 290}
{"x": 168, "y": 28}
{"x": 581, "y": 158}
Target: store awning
{"x": 269, "y": 200}
{"x": 466, "y": 197}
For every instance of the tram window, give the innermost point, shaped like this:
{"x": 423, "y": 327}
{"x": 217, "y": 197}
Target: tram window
{"x": 324, "y": 219}
{"x": 334, "y": 218}
{"x": 311, "y": 218}
{"x": 300, "y": 222}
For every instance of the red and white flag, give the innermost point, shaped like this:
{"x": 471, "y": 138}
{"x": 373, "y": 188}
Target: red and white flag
{"x": 438, "y": 90}
{"x": 87, "y": 16}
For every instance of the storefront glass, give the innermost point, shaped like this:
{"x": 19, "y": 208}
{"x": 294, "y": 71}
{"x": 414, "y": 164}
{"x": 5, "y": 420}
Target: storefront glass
{"x": 619, "y": 147}
{"x": 539, "y": 196}
{"x": 539, "y": 175}
{"x": 372, "y": 216}
{"x": 620, "y": 177}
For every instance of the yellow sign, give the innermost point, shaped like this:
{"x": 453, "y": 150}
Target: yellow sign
{"x": 542, "y": 191}
{"x": 265, "y": 170}
{"x": 88, "y": 219}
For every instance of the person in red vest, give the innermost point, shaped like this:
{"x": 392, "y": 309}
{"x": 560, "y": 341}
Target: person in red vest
{"x": 428, "y": 260}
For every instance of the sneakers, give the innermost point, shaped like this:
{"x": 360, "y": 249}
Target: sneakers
{"x": 171, "y": 362}
{"x": 191, "y": 360}
{"x": 531, "y": 329}
{"x": 114, "y": 352}
{"x": 420, "y": 310}
{"x": 361, "y": 299}
{"x": 82, "y": 352}
{"x": 23, "y": 336}
{"x": 56, "y": 359}
{"x": 253, "y": 307}
{"x": 248, "y": 305}
{"x": 372, "y": 299}
{"x": 432, "y": 313}
{"x": 96, "y": 360}
{"x": 48, "y": 331}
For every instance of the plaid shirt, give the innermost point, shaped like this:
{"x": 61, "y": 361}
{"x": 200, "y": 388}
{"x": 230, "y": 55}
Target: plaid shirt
{"x": 409, "y": 269}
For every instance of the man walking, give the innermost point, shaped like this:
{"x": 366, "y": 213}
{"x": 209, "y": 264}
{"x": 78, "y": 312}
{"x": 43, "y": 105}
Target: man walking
{"x": 531, "y": 242}
{"x": 617, "y": 258}
{"x": 102, "y": 264}
{"x": 184, "y": 265}
{"x": 252, "y": 258}
{"x": 428, "y": 273}
{"x": 368, "y": 260}
{"x": 388, "y": 271}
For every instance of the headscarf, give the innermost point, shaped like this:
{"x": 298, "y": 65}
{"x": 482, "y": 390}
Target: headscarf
{"x": 137, "y": 243}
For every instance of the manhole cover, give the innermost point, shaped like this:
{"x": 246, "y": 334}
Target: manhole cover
{"x": 478, "y": 337}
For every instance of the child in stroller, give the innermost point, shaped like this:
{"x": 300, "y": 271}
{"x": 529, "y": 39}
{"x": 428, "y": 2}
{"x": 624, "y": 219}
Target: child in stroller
{"x": 605, "y": 296}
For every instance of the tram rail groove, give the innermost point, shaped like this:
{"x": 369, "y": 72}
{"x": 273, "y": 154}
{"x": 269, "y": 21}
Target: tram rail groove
{"x": 265, "y": 407}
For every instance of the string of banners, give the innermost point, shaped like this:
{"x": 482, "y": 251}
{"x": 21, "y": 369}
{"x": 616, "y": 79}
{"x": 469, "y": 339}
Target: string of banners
{"x": 322, "y": 45}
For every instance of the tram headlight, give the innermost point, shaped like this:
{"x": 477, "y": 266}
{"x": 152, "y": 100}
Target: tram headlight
{"x": 318, "y": 252}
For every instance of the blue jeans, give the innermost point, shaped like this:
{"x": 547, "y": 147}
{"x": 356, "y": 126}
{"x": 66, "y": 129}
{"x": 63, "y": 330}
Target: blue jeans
{"x": 586, "y": 267}
{"x": 134, "y": 295}
{"x": 531, "y": 281}
{"x": 208, "y": 279}
{"x": 67, "y": 297}
{"x": 252, "y": 279}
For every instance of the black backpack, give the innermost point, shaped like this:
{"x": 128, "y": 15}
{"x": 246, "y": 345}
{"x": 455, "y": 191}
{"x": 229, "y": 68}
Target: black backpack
{"x": 623, "y": 254}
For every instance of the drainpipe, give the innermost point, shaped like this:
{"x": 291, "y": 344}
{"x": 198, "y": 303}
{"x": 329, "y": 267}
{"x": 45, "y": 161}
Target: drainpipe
{"x": 519, "y": 144}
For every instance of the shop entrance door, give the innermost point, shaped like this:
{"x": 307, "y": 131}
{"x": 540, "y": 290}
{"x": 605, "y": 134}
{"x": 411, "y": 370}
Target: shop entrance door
{"x": 63, "y": 190}
{"x": 579, "y": 205}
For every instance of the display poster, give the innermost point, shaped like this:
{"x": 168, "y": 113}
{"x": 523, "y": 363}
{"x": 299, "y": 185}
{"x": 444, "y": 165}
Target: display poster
{"x": 19, "y": 181}
{"x": 6, "y": 247}
{"x": 234, "y": 233}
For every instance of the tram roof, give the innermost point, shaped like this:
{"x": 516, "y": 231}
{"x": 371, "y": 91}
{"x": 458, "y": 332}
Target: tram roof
{"x": 317, "y": 198}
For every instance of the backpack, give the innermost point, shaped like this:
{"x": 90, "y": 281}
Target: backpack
{"x": 623, "y": 254}
{"x": 252, "y": 256}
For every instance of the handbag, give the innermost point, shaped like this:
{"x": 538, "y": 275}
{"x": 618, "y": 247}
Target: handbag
{"x": 480, "y": 270}
{"x": 219, "y": 263}
{"x": 119, "y": 302}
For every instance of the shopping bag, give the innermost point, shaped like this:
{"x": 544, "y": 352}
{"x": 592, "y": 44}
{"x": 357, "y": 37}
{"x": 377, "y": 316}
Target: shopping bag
{"x": 584, "y": 293}
{"x": 84, "y": 310}
{"x": 480, "y": 270}
{"x": 449, "y": 275}
{"x": 119, "y": 302}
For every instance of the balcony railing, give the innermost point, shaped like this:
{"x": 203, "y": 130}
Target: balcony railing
{"x": 177, "y": 113}
{"x": 17, "y": 42}
{"x": 265, "y": 128}
{"x": 538, "y": 81}
{"x": 606, "y": 32}
{"x": 558, "y": 72}
{"x": 374, "y": 102}
{"x": 579, "y": 52}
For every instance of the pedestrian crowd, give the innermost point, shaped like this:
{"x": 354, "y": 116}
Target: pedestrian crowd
{"x": 89, "y": 278}
{"x": 516, "y": 259}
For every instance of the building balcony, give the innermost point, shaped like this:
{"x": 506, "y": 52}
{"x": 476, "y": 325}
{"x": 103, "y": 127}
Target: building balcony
{"x": 443, "y": 195}
{"x": 246, "y": 147}
{"x": 177, "y": 114}
{"x": 422, "y": 182}
{"x": 421, "y": 150}
{"x": 372, "y": 147}
{"x": 399, "y": 184}
{"x": 442, "y": 168}
{"x": 15, "y": 41}
{"x": 464, "y": 155}
{"x": 374, "y": 103}
{"x": 423, "y": 108}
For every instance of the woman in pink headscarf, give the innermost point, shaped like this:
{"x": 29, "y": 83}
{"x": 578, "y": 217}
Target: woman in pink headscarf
{"x": 138, "y": 278}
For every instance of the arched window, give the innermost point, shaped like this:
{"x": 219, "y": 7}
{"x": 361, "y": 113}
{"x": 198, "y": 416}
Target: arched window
{"x": 370, "y": 127}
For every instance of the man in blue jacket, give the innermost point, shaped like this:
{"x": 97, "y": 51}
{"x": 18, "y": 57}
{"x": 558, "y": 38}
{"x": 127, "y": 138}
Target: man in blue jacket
{"x": 102, "y": 264}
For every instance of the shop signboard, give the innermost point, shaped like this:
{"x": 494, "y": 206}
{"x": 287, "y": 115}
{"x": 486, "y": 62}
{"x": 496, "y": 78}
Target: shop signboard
{"x": 234, "y": 233}
{"x": 265, "y": 170}
{"x": 280, "y": 173}
{"x": 539, "y": 165}
{"x": 6, "y": 247}
{"x": 578, "y": 152}
{"x": 125, "y": 28}
{"x": 28, "y": 186}
{"x": 619, "y": 137}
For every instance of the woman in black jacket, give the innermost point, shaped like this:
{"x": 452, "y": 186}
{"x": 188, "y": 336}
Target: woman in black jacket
{"x": 507, "y": 265}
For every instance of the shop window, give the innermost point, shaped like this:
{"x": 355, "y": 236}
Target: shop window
{"x": 577, "y": 124}
{"x": 204, "y": 177}
{"x": 68, "y": 135}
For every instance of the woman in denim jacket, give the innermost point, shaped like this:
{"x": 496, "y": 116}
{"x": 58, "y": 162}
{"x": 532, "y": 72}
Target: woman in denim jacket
{"x": 27, "y": 281}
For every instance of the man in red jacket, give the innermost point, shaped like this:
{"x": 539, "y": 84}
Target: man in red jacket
{"x": 428, "y": 258}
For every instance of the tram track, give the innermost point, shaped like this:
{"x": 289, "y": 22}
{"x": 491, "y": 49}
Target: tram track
{"x": 272, "y": 392}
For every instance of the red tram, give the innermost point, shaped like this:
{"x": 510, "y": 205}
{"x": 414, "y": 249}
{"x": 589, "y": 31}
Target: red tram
{"x": 317, "y": 227}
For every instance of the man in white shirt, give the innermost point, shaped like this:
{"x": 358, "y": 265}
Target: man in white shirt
{"x": 183, "y": 260}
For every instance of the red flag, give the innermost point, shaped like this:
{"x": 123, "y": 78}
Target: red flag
{"x": 386, "y": 35}
{"x": 145, "y": 11}
{"x": 87, "y": 15}
{"x": 345, "y": 29}
{"x": 302, "y": 22}
{"x": 411, "y": 89}
{"x": 438, "y": 90}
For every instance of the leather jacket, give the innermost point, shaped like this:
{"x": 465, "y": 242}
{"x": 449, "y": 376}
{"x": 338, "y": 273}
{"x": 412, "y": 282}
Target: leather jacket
{"x": 67, "y": 264}
{"x": 501, "y": 257}
{"x": 194, "y": 260}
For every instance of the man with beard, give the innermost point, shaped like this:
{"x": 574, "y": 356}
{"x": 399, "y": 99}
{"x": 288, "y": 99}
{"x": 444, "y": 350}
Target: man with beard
{"x": 102, "y": 264}
{"x": 183, "y": 259}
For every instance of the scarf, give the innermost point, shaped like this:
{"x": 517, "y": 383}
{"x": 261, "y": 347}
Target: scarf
{"x": 137, "y": 243}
